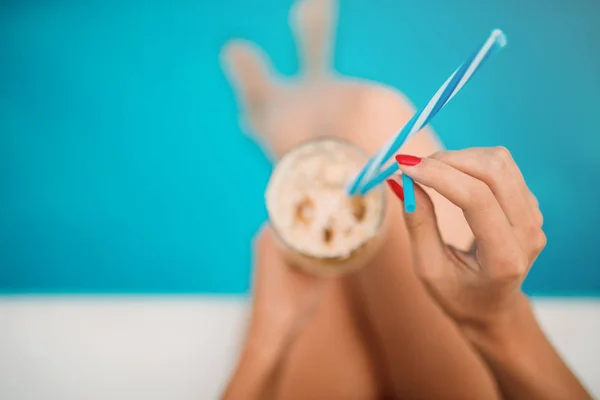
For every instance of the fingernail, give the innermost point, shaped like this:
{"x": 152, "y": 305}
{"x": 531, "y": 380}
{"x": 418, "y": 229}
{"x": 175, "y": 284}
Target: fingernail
{"x": 409, "y": 161}
{"x": 396, "y": 188}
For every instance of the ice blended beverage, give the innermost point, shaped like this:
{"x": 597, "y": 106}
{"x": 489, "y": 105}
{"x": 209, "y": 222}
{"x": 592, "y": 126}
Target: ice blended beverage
{"x": 320, "y": 228}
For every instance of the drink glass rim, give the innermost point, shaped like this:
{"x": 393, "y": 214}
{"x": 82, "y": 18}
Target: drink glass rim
{"x": 382, "y": 212}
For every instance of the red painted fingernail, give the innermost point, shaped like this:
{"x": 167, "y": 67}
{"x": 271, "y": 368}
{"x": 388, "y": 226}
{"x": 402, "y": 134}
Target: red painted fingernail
{"x": 409, "y": 161}
{"x": 395, "y": 186}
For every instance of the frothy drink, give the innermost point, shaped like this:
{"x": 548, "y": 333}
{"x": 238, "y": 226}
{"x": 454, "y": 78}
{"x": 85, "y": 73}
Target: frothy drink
{"x": 320, "y": 227}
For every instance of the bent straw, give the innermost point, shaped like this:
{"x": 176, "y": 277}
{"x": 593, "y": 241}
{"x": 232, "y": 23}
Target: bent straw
{"x": 366, "y": 180}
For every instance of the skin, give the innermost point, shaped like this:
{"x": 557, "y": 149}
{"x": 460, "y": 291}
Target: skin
{"x": 350, "y": 327}
{"x": 481, "y": 288}
{"x": 283, "y": 303}
{"x": 378, "y": 332}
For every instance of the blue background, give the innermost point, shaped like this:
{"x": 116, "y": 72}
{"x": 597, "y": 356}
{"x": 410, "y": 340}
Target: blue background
{"x": 122, "y": 165}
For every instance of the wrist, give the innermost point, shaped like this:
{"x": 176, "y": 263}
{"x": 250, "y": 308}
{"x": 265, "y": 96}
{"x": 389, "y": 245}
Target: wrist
{"x": 504, "y": 333}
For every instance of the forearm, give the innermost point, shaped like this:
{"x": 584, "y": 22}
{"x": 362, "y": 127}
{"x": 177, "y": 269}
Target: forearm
{"x": 523, "y": 360}
{"x": 256, "y": 374}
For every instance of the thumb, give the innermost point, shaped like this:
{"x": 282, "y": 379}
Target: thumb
{"x": 429, "y": 250}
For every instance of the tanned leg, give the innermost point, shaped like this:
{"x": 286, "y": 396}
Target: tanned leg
{"x": 378, "y": 325}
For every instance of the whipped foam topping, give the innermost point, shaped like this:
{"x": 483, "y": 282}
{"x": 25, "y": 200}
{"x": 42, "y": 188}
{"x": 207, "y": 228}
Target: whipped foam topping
{"x": 308, "y": 205}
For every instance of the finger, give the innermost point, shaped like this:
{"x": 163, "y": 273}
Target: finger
{"x": 535, "y": 204}
{"x": 536, "y": 236}
{"x": 249, "y": 72}
{"x": 497, "y": 247}
{"x": 534, "y": 200}
{"x": 496, "y": 168}
{"x": 313, "y": 24}
{"x": 428, "y": 248}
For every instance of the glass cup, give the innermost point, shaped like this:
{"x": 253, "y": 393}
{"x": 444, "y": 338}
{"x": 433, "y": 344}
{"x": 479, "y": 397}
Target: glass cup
{"x": 318, "y": 227}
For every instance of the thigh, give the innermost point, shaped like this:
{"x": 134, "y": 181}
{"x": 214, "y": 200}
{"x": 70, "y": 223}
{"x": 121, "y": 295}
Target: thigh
{"x": 332, "y": 358}
{"x": 380, "y": 325}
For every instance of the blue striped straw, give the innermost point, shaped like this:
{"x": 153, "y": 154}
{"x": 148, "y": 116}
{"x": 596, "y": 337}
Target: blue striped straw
{"x": 367, "y": 179}
{"x": 410, "y": 205}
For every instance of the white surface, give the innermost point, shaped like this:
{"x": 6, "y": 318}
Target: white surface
{"x": 179, "y": 348}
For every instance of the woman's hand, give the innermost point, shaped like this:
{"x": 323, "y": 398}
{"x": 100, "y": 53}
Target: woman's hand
{"x": 481, "y": 289}
{"x": 481, "y": 286}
